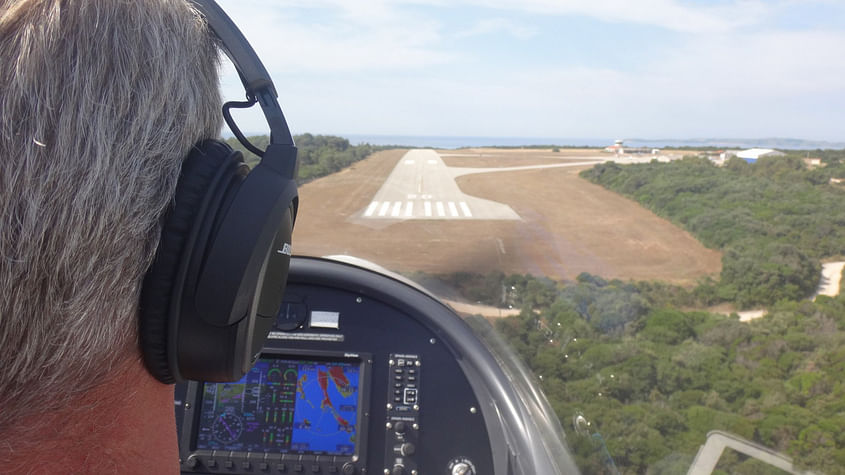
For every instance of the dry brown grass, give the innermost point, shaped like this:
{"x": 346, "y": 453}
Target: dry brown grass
{"x": 568, "y": 226}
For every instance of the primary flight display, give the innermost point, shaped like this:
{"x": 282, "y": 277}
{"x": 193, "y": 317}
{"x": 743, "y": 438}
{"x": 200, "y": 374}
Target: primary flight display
{"x": 284, "y": 406}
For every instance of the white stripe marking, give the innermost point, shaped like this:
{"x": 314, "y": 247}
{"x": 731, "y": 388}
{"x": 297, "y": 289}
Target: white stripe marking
{"x": 384, "y": 207}
{"x": 397, "y": 208}
{"x": 409, "y": 162}
{"x": 453, "y": 210}
{"x": 371, "y": 209}
{"x": 465, "y": 209}
{"x": 441, "y": 211}
{"x": 427, "y": 205}
{"x": 432, "y": 162}
{"x": 409, "y": 209}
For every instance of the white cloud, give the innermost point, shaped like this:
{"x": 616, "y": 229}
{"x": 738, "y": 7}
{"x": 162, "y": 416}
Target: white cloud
{"x": 498, "y": 25}
{"x": 669, "y": 14}
{"x": 372, "y": 36}
{"x": 386, "y": 69}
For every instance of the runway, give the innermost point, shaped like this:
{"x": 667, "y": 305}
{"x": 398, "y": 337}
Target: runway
{"x": 421, "y": 186}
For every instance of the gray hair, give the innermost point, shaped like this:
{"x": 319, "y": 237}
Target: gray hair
{"x": 100, "y": 100}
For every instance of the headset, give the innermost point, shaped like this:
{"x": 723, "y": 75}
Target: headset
{"x": 216, "y": 284}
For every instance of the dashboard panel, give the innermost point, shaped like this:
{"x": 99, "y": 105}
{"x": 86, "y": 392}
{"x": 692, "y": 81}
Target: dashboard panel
{"x": 363, "y": 373}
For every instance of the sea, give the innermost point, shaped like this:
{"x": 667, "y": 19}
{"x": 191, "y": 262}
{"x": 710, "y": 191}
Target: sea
{"x": 460, "y": 141}
{"x": 454, "y": 142}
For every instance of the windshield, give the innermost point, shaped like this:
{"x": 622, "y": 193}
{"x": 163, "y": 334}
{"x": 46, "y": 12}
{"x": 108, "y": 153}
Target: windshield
{"x": 675, "y": 299}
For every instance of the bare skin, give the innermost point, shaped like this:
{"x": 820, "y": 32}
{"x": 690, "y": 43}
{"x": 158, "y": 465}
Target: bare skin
{"x": 125, "y": 425}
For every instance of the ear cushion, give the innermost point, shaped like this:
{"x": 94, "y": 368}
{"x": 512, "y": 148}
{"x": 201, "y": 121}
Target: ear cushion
{"x": 210, "y": 166}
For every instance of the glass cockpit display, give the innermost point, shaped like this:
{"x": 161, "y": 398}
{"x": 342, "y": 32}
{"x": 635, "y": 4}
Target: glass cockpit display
{"x": 284, "y": 406}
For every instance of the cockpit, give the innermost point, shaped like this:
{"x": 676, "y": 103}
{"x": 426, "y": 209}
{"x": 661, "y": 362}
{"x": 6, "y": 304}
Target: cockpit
{"x": 366, "y": 372}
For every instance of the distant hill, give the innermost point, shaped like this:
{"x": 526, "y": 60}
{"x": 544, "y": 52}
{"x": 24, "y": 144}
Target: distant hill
{"x": 771, "y": 142}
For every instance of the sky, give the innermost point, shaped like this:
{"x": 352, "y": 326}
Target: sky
{"x": 659, "y": 69}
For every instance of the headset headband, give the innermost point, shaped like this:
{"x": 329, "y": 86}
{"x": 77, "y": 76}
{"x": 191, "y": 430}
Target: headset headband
{"x": 258, "y": 85}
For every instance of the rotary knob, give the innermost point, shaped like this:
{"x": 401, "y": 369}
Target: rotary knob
{"x": 407, "y": 449}
{"x": 461, "y": 466}
{"x": 461, "y": 469}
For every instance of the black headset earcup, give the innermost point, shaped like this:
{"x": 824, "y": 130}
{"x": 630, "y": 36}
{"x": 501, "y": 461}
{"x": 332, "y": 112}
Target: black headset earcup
{"x": 200, "y": 182}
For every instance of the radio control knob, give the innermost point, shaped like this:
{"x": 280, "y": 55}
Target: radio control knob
{"x": 398, "y": 470}
{"x": 408, "y": 449}
{"x": 191, "y": 462}
{"x": 461, "y": 468}
{"x": 400, "y": 427}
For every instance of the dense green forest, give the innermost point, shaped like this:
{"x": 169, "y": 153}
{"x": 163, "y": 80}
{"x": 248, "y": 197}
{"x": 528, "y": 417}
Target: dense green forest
{"x": 652, "y": 378}
{"x": 319, "y": 155}
{"x": 774, "y": 220}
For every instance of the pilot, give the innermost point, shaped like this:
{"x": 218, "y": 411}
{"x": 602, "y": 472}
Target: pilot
{"x": 100, "y": 101}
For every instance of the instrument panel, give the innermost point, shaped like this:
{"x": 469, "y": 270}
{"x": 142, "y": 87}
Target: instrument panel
{"x": 363, "y": 373}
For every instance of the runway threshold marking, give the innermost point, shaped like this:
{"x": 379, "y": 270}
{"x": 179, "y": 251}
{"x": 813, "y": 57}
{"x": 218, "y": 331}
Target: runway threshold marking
{"x": 465, "y": 209}
{"x": 409, "y": 209}
{"x": 384, "y": 208}
{"x": 453, "y": 209}
{"x": 427, "y": 206}
{"x": 371, "y": 209}
{"x": 441, "y": 211}
{"x": 397, "y": 208}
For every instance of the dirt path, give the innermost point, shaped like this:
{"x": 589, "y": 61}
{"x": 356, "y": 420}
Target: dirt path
{"x": 831, "y": 278}
{"x": 483, "y": 310}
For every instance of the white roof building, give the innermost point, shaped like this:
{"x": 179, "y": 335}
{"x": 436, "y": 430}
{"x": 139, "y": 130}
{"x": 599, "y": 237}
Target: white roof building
{"x": 755, "y": 153}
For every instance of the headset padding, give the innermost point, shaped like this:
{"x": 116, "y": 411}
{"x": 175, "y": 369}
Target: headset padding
{"x": 197, "y": 178}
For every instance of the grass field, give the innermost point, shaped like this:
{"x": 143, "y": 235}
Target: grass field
{"x": 568, "y": 225}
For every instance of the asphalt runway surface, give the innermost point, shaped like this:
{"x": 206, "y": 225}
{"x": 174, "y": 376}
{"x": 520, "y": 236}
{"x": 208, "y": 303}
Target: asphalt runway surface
{"x": 421, "y": 186}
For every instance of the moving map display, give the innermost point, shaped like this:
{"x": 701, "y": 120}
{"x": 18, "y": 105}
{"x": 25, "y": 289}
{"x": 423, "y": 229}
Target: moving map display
{"x": 284, "y": 406}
